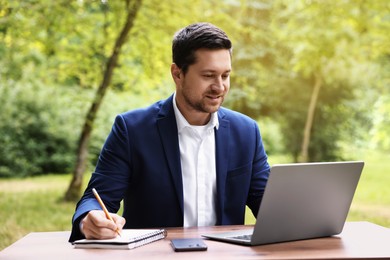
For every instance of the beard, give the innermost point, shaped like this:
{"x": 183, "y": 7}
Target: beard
{"x": 205, "y": 104}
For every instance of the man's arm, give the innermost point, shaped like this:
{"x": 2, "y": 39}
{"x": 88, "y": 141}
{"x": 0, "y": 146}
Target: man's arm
{"x": 111, "y": 177}
{"x": 260, "y": 174}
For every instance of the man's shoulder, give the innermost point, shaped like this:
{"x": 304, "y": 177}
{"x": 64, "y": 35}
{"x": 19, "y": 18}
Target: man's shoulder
{"x": 148, "y": 112}
{"x": 233, "y": 116}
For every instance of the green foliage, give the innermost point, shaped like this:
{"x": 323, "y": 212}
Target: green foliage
{"x": 271, "y": 135}
{"x": 380, "y": 109}
{"x": 284, "y": 45}
{"x": 278, "y": 48}
{"x": 40, "y": 126}
{"x": 37, "y": 130}
{"x": 381, "y": 129}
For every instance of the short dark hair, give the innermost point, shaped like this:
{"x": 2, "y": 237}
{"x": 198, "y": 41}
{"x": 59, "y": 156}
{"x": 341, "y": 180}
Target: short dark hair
{"x": 194, "y": 37}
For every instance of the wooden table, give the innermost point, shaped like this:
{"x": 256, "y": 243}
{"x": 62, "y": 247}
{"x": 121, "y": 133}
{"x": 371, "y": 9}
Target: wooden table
{"x": 359, "y": 240}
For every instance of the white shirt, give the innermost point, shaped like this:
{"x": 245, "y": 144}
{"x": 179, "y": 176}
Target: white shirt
{"x": 197, "y": 156}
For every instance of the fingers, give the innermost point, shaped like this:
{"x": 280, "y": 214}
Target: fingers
{"x": 119, "y": 221}
{"x": 95, "y": 225}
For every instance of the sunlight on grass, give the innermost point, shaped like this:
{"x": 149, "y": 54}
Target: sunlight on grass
{"x": 33, "y": 205}
{"x": 372, "y": 197}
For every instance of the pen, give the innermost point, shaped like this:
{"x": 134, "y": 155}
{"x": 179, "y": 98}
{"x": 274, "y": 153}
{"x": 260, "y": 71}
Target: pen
{"x": 104, "y": 208}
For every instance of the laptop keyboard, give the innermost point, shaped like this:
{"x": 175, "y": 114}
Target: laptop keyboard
{"x": 244, "y": 237}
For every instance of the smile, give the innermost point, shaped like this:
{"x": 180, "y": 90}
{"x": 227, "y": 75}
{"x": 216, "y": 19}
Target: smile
{"x": 214, "y": 97}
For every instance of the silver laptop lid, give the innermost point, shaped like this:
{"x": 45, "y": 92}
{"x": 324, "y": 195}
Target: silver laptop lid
{"x": 306, "y": 200}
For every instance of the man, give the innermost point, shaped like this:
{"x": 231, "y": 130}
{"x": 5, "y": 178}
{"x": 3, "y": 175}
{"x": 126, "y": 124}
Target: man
{"x": 184, "y": 161}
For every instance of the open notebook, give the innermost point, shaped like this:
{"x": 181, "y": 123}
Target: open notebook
{"x": 131, "y": 238}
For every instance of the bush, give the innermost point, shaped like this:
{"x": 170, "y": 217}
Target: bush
{"x": 38, "y": 129}
{"x": 40, "y": 126}
{"x": 271, "y": 135}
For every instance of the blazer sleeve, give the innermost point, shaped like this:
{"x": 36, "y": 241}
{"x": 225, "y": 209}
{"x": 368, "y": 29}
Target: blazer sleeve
{"x": 260, "y": 174}
{"x": 110, "y": 178}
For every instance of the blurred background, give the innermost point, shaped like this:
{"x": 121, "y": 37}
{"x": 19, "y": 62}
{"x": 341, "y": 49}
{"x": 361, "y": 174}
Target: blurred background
{"x": 314, "y": 74}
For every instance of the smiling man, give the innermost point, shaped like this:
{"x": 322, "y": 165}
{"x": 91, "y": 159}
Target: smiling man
{"x": 201, "y": 89}
{"x": 184, "y": 161}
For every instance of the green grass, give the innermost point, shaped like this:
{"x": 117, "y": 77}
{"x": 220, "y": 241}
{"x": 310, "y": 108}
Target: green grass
{"x": 372, "y": 197}
{"x": 33, "y": 204}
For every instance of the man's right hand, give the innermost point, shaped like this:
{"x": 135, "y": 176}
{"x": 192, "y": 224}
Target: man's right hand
{"x": 95, "y": 225}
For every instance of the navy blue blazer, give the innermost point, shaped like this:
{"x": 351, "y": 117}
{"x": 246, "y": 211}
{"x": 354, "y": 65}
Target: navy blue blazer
{"x": 140, "y": 163}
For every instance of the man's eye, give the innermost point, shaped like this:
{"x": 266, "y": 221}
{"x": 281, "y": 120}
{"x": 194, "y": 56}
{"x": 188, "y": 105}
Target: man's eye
{"x": 208, "y": 75}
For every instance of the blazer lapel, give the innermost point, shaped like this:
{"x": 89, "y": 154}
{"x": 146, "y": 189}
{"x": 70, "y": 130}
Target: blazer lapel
{"x": 166, "y": 123}
{"x": 222, "y": 155}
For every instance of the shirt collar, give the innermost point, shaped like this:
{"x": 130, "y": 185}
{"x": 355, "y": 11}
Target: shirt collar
{"x": 183, "y": 123}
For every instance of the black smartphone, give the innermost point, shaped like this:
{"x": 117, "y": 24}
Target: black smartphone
{"x": 188, "y": 244}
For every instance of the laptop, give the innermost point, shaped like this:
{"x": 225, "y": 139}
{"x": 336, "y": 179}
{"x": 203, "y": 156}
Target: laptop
{"x": 301, "y": 201}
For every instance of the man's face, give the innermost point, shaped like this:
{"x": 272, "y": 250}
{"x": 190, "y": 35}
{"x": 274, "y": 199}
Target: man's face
{"x": 202, "y": 89}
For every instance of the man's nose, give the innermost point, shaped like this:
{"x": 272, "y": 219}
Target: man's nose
{"x": 218, "y": 83}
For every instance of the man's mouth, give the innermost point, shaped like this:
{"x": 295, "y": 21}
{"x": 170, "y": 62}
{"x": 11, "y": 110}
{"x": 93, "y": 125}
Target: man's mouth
{"x": 214, "y": 96}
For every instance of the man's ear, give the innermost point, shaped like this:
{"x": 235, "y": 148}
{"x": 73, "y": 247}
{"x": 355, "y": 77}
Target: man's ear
{"x": 176, "y": 72}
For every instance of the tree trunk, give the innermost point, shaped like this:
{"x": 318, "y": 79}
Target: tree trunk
{"x": 74, "y": 189}
{"x": 304, "y": 156}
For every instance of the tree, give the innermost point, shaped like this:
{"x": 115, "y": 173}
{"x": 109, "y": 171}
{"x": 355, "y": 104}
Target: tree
{"x": 326, "y": 42}
{"x": 74, "y": 189}
{"x": 280, "y": 49}
{"x": 302, "y": 63}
